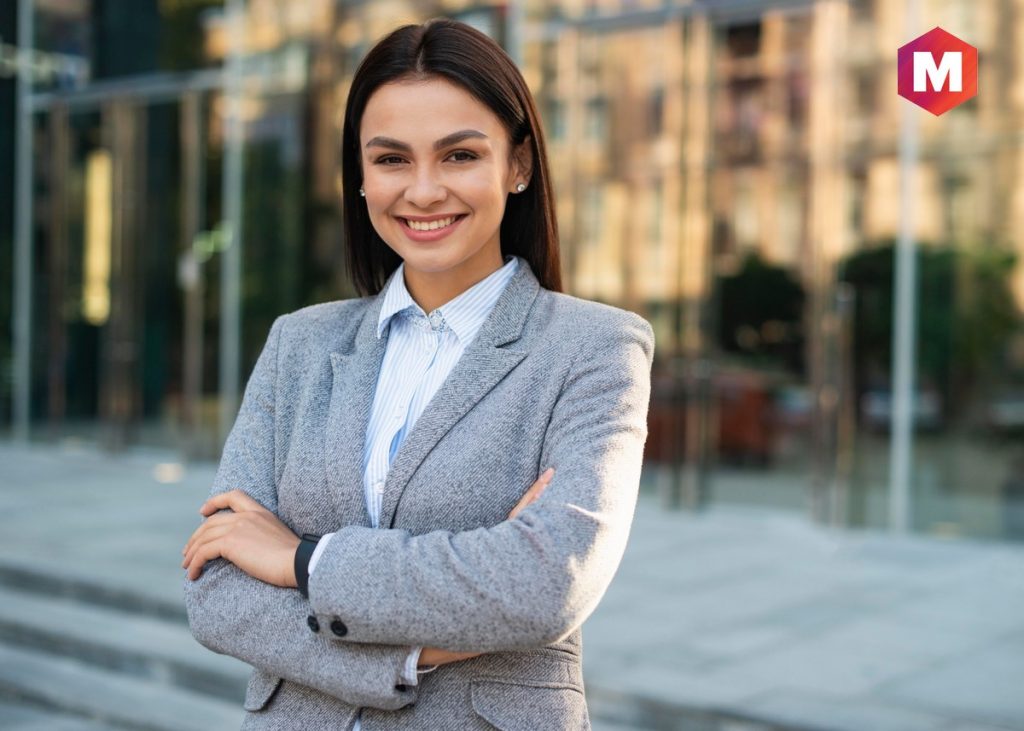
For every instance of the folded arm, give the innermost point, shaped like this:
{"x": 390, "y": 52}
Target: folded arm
{"x": 268, "y": 626}
{"x": 525, "y": 582}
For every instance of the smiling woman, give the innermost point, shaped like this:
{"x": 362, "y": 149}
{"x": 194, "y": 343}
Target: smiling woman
{"x": 429, "y": 488}
{"x": 439, "y": 202}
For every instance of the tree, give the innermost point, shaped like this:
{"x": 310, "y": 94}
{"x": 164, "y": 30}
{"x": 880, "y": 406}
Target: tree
{"x": 965, "y": 316}
{"x": 760, "y": 313}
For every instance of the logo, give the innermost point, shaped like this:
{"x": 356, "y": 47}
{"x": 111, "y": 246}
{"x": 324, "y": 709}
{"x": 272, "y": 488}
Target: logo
{"x": 938, "y": 71}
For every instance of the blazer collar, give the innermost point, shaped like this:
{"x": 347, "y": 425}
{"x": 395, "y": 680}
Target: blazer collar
{"x": 463, "y": 314}
{"x": 482, "y": 365}
{"x": 504, "y": 323}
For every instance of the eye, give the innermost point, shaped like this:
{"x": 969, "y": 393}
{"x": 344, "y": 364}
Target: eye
{"x": 471, "y": 156}
{"x": 468, "y": 156}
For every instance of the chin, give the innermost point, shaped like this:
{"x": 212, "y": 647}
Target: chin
{"x": 428, "y": 261}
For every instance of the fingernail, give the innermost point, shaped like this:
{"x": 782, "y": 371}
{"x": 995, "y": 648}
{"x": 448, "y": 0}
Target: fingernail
{"x": 549, "y": 472}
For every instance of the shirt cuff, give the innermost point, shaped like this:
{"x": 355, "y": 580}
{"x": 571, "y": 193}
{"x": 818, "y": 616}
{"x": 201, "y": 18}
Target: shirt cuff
{"x": 409, "y": 674}
{"x": 320, "y": 546}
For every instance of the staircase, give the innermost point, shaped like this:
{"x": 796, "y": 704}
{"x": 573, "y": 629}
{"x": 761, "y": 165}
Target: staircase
{"x": 78, "y": 656}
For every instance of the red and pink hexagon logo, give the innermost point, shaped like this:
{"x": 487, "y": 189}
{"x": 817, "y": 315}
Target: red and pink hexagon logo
{"x": 938, "y": 71}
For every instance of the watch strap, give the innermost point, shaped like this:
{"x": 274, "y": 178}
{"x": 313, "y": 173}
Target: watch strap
{"x": 302, "y": 555}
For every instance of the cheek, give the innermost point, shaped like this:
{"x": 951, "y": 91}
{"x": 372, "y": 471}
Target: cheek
{"x": 485, "y": 186}
{"x": 381, "y": 184}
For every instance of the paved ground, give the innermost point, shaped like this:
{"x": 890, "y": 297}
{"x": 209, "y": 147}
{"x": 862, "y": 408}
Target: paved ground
{"x": 730, "y": 619}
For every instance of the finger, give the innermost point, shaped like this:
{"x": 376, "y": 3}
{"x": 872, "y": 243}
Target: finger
{"x": 541, "y": 483}
{"x": 220, "y": 501}
{"x": 532, "y": 493}
{"x": 205, "y": 552}
{"x": 213, "y": 520}
{"x": 215, "y": 533}
{"x": 196, "y": 535}
{"x": 235, "y": 499}
{"x": 193, "y": 563}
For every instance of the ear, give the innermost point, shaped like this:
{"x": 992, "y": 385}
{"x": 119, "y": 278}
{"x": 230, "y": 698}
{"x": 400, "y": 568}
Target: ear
{"x": 522, "y": 162}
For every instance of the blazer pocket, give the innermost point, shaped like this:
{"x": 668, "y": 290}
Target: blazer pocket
{"x": 530, "y": 705}
{"x": 259, "y": 690}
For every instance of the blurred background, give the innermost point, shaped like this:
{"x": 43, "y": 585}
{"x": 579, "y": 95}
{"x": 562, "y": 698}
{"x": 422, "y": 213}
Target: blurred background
{"x": 729, "y": 170}
{"x": 835, "y": 276}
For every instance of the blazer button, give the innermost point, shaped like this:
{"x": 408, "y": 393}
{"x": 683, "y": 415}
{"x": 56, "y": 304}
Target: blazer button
{"x": 313, "y": 624}
{"x": 401, "y": 687}
{"x": 338, "y": 627}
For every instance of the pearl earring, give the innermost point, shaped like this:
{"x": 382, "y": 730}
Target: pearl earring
{"x": 521, "y": 187}
{"x": 362, "y": 192}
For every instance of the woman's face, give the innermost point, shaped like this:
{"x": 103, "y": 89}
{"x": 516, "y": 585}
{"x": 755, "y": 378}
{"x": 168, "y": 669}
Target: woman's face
{"x": 430, "y": 150}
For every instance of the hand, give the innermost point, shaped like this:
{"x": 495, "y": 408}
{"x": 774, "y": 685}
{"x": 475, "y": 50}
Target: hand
{"x": 533, "y": 493}
{"x": 436, "y": 656}
{"x": 251, "y": 537}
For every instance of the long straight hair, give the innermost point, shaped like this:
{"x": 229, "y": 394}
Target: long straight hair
{"x": 463, "y": 55}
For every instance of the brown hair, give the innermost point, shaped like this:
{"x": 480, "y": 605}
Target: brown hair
{"x": 463, "y": 55}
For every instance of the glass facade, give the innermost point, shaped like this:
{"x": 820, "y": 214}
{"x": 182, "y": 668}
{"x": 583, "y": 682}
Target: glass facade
{"x": 730, "y": 170}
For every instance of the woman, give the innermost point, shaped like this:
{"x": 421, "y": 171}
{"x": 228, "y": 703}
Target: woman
{"x": 378, "y": 545}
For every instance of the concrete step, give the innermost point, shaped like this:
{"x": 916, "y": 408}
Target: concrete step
{"x": 93, "y": 658}
{"x": 56, "y": 616}
{"x": 612, "y": 710}
{"x": 18, "y": 572}
{"x": 113, "y": 698}
{"x": 15, "y": 716}
{"x": 145, "y": 647}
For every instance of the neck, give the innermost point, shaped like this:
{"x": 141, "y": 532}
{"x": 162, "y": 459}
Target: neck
{"x": 430, "y": 290}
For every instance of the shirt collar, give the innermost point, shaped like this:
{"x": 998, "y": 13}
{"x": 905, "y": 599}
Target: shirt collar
{"x": 464, "y": 314}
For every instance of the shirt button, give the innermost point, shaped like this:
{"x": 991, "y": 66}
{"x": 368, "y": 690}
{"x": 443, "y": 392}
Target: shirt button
{"x": 338, "y": 627}
{"x": 313, "y": 624}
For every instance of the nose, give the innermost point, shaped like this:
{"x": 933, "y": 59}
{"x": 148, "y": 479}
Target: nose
{"x": 425, "y": 190}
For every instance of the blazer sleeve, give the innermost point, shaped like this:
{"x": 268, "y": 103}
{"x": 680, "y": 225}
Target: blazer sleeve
{"x": 526, "y": 582}
{"x": 268, "y": 626}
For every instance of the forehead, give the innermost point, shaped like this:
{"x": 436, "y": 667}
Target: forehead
{"x": 420, "y": 112}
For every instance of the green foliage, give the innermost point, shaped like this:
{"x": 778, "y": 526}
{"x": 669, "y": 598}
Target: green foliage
{"x": 965, "y": 315}
{"x": 181, "y": 33}
{"x": 760, "y": 312}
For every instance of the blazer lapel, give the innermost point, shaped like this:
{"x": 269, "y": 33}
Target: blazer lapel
{"x": 348, "y": 416}
{"x": 482, "y": 366}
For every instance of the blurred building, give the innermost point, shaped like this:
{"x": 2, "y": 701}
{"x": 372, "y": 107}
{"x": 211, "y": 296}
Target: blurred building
{"x": 730, "y": 169}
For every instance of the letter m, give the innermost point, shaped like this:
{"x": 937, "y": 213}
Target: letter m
{"x": 950, "y": 67}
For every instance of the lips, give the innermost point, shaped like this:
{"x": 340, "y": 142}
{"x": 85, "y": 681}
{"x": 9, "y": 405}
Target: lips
{"x": 455, "y": 216}
{"x": 431, "y": 235}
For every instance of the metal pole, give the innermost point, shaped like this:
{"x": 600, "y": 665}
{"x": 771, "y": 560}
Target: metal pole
{"x": 22, "y": 311}
{"x": 231, "y": 264}
{"x": 905, "y": 315}
{"x": 191, "y": 269}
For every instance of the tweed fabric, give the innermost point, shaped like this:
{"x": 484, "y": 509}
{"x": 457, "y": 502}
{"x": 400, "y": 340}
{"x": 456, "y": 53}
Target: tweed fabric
{"x": 549, "y": 380}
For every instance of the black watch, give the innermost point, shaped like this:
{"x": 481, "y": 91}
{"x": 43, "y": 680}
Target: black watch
{"x": 302, "y": 555}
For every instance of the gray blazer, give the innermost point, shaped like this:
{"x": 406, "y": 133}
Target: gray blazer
{"x": 550, "y": 380}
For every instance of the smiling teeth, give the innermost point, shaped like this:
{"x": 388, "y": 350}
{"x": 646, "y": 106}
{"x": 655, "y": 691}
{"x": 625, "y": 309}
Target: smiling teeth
{"x": 431, "y": 226}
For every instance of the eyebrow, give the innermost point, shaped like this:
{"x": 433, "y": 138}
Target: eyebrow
{"x": 453, "y": 138}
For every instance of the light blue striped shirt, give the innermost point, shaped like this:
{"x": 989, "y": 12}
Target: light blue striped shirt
{"x": 421, "y": 351}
